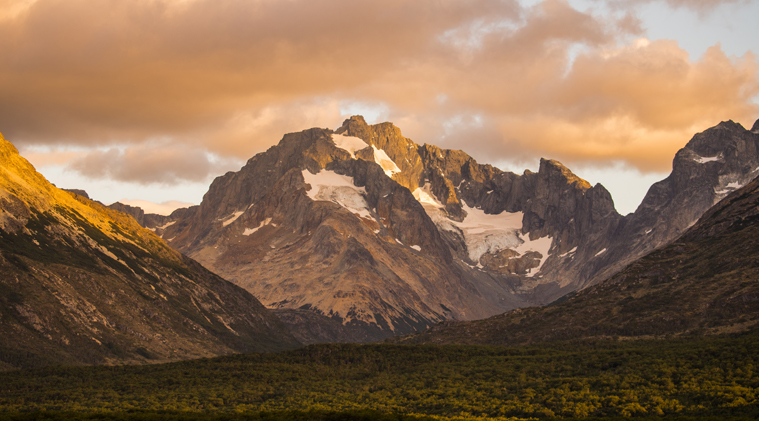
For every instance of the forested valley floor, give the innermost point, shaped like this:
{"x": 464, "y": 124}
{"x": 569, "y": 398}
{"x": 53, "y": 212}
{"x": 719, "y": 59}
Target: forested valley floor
{"x": 680, "y": 378}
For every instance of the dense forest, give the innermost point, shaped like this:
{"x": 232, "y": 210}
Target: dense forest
{"x": 696, "y": 377}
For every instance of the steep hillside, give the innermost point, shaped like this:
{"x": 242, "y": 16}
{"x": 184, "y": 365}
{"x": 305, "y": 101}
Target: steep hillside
{"x": 82, "y": 283}
{"x": 704, "y": 283}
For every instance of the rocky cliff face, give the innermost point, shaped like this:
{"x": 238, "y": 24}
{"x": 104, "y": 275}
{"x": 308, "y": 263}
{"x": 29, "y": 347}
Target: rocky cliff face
{"x": 703, "y": 283}
{"x": 311, "y": 225}
{"x": 82, "y": 283}
{"x": 713, "y": 164}
{"x": 367, "y": 227}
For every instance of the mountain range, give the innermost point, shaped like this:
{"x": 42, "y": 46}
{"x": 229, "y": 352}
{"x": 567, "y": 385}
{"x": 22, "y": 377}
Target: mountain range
{"x": 703, "y": 283}
{"x": 359, "y": 234}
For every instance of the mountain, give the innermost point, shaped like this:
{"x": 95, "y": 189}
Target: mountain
{"x": 366, "y": 227}
{"x": 84, "y": 284}
{"x": 706, "y": 282}
{"x": 713, "y": 164}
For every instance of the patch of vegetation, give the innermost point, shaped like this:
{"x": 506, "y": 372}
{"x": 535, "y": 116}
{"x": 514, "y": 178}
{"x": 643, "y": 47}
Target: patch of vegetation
{"x": 676, "y": 379}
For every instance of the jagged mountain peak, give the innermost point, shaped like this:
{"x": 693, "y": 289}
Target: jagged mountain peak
{"x": 554, "y": 166}
{"x": 755, "y": 127}
{"x": 723, "y": 141}
{"x": 710, "y": 166}
{"x": 403, "y": 235}
{"x": 703, "y": 283}
{"x": 383, "y": 234}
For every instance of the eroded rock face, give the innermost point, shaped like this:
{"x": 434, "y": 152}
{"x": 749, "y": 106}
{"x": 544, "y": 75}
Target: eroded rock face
{"x": 712, "y": 165}
{"x": 703, "y": 283}
{"x": 365, "y": 226}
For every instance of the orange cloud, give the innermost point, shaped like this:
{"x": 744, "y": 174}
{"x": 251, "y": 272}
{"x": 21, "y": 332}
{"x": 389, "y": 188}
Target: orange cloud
{"x": 700, "y": 6}
{"x": 149, "y": 163}
{"x": 231, "y": 77}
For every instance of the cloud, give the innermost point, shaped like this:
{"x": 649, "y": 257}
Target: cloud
{"x": 702, "y": 7}
{"x": 218, "y": 81}
{"x": 149, "y": 164}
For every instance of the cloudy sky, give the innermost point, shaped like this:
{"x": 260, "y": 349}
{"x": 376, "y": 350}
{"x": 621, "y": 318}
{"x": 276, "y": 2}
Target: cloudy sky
{"x": 151, "y": 99}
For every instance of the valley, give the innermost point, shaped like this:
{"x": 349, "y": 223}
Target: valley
{"x": 442, "y": 258}
{"x": 683, "y": 379}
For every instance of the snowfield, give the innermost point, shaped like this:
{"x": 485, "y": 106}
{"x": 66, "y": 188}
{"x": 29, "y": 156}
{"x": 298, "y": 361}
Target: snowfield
{"x": 384, "y": 161}
{"x": 705, "y": 159}
{"x": 485, "y": 233}
{"x": 337, "y": 188}
{"x": 349, "y": 143}
{"x": 232, "y": 218}
{"x": 249, "y": 231}
{"x": 352, "y": 144}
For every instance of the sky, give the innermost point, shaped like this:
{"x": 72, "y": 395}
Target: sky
{"x": 146, "y": 101}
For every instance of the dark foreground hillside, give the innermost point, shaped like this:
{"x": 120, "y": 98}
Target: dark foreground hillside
{"x": 698, "y": 377}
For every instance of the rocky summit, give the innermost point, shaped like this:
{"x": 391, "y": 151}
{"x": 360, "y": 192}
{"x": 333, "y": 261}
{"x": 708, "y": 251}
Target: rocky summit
{"x": 367, "y": 228}
{"x": 84, "y": 284}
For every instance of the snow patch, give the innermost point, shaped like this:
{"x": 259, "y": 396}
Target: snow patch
{"x": 484, "y": 233}
{"x": 163, "y": 227}
{"x": 384, "y": 161}
{"x": 569, "y": 252}
{"x": 232, "y": 218}
{"x": 542, "y": 245}
{"x": 649, "y": 231}
{"x": 333, "y": 187}
{"x": 600, "y": 252}
{"x": 424, "y": 196}
{"x": 417, "y": 248}
{"x": 352, "y": 144}
{"x": 729, "y": 183}
{"x": 729, "y": 188}
{"x": 705, "y": 159}
{"x": 349, "y": 143}
{"x": 249, "y": 231}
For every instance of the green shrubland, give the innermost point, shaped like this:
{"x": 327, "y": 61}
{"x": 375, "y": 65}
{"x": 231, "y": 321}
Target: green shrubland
{"x": 678, "y": 379}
